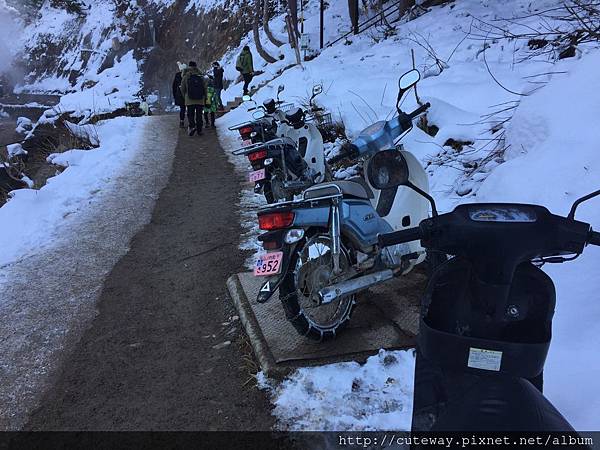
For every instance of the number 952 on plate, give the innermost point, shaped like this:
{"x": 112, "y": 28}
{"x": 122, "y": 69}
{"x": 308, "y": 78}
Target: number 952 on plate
{"x": 268, "y": 264}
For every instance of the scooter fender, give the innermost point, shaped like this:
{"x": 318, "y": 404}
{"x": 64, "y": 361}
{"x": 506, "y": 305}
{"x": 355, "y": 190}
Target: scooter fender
{"x": 270, "y": 286}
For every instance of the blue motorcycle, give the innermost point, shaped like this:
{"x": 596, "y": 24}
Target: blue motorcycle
{"x": 322, "y": 249}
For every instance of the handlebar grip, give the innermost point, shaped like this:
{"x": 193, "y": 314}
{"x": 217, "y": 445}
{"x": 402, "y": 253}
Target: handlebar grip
{"x": 420, "y": 110}
{"x": 399, "y": 237}
{"x": 594, "y": 238}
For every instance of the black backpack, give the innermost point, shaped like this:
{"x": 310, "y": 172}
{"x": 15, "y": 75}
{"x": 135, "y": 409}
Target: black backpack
{"x": 195, "y": 87}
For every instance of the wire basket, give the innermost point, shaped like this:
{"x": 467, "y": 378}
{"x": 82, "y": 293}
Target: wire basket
{"x": 323, "y": 120}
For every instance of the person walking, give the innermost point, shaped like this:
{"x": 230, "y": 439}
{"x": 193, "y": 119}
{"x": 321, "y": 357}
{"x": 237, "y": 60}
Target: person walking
{"x": 210, "y": 105}
{"x": 218, "y": 83}
{"x": 245, "y": 66}
{"x": 178, "y": 98}
{"x": 194, "y": 92}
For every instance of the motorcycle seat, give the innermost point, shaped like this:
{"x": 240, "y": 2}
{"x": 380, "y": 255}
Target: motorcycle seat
{"x": 346, "y": 188}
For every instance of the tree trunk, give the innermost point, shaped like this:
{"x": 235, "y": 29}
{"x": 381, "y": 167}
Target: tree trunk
{"x": 259, "y": 48}
{"x": 353, "y": 11}
{"x": 293, "y": 11}
{"x": 270, "y": 35}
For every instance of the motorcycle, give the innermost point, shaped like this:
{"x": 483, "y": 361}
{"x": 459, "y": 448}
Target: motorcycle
{"x": 486, "y": 317}
{"x": 295, "y": 160}
{"x": 322, "y": 250}
{"x": 266, "y": 125}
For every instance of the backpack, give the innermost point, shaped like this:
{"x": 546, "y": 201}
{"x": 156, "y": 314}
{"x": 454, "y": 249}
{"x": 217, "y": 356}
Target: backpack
{"x": 195, "y": 87}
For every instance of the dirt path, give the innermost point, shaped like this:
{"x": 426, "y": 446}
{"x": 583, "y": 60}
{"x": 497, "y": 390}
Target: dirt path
{"x": 155, "y": 356}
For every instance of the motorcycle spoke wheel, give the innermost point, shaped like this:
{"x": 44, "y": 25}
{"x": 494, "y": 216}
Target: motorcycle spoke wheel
{"x": 314, "y": 271}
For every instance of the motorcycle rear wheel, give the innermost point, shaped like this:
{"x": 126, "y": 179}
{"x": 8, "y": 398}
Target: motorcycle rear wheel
{"x": 310, "y": 270}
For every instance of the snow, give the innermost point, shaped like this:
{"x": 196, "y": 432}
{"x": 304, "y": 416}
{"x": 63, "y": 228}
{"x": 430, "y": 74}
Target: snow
{"x": 546, "y": 154}
{"x": 348, "y": 396}
{"x": 33, "y": 218}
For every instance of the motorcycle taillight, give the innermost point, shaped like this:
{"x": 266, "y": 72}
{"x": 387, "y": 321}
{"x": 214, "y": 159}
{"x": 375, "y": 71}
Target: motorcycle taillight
{"x": 245, "y": 130}
{"x": 257, "y": 155}
{"x": 275, "y": 221}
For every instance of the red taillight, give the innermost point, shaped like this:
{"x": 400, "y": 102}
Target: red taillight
{"x": 275, "y": 221}
{"x": 245, "y": 130}
{"x": 257, "y": 155}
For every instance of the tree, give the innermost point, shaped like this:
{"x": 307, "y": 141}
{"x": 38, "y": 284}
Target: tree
{"x": 255, "y": 31}
{"x": 265, "y": 19}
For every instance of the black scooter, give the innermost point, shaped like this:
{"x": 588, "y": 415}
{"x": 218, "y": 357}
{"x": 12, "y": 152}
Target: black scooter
{"x": 486, "y": 317}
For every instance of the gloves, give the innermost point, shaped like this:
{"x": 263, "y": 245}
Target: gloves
{"x": 405, "y": 121}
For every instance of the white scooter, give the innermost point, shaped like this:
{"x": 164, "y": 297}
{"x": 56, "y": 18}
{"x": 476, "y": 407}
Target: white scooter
{"x": 285, "y": 166}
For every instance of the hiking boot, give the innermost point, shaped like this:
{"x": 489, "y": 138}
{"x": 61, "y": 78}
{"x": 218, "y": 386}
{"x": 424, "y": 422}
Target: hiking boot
{"x": 181, "y": 124}
{"x": 191, "y": 131}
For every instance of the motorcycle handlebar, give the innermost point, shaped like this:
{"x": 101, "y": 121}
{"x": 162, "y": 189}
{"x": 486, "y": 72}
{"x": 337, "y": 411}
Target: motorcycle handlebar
{"x": 594, "y": 238}
{"x": 420, "y": 110}
{"x": 400, "y": 237}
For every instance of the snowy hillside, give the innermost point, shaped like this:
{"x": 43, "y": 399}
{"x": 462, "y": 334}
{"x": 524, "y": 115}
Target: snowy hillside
{"x": 527, "y": 136}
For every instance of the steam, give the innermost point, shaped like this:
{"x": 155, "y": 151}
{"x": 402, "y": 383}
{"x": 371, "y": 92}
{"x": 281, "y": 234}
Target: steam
{"x": 10, "y": 32}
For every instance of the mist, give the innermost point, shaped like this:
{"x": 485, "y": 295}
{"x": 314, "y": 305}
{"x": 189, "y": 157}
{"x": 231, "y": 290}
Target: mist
{"x": 10, "y": 35}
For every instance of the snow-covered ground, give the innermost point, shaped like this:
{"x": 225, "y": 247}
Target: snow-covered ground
{"x": 551, "y": 159}
{"x": 60, "y": 242}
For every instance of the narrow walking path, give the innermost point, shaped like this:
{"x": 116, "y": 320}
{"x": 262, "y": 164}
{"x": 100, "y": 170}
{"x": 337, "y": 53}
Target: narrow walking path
{"x": 156, "y": 356}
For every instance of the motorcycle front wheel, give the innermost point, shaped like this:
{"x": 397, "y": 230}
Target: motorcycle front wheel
{"x": 310, "y": 270}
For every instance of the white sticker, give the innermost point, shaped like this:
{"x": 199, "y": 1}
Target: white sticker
{"x": 484, "y": 359}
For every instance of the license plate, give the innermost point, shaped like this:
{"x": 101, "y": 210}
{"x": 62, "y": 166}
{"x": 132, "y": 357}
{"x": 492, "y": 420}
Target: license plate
{"x": 257, "y": 175}
{"x": 268, "y": 264}
{"x": 247, "y": 142}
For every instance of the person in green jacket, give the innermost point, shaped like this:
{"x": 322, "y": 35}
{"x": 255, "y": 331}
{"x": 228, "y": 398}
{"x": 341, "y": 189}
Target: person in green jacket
{"x": 194, "y": 93}
{"x": 211, "y": 103}
{"x": 245, "y": 66}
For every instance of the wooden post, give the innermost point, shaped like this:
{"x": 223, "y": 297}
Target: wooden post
{"x": 322, "y": 14}
{"x": 354, "y": 12}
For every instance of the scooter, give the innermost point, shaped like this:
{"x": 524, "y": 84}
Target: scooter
{"x": 322, "y": 250}
{"x": 268, "y": 118}
{"x": 486, "y": 318}
{"x": 285, "y": 166}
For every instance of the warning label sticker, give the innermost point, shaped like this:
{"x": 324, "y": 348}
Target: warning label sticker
{"x": 480, "y": 358}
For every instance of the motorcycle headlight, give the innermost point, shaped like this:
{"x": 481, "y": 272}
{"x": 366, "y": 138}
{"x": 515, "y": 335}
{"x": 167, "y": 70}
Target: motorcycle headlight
{"x": 387, "y": 169}
{"x": 294, "y": 235}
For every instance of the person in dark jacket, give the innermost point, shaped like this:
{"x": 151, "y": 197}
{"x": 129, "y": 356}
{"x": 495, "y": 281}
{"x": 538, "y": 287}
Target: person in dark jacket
{"x": 178, "y": 96}
{"x": 245, "y": 66}
{"x": 218, "y": 83}
{"x": 193, "y": 88}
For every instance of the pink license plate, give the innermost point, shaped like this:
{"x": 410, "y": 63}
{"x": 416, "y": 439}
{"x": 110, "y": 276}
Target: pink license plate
{"x": 268, "y": 264}
{"x": 247, "y": 142}
{"x": 257, "y": 175}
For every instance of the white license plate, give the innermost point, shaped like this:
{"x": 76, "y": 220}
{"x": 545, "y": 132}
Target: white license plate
{"x": 257, "y": 175}
{"x": 268, "y": 264}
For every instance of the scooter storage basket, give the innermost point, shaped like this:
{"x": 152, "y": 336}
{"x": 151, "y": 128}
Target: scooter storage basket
{"x": 482, "y": 355}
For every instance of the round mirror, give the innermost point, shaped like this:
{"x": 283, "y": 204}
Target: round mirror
{"x": 317, "y": 89}
{"x": 258, "y": 114}
{"x": 409, "y": 79}
{"x": 281, "y": 88}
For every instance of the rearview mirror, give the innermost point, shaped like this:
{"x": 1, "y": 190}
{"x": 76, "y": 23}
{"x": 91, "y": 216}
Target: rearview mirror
{"x": 388, "y": 169}
{"x": 258, "y": 114}
{"x": 317, "y": 89}
{"x": 280, "y": 88}
{"x": 246, "y": 98}
{"x": 409, "y": 79}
